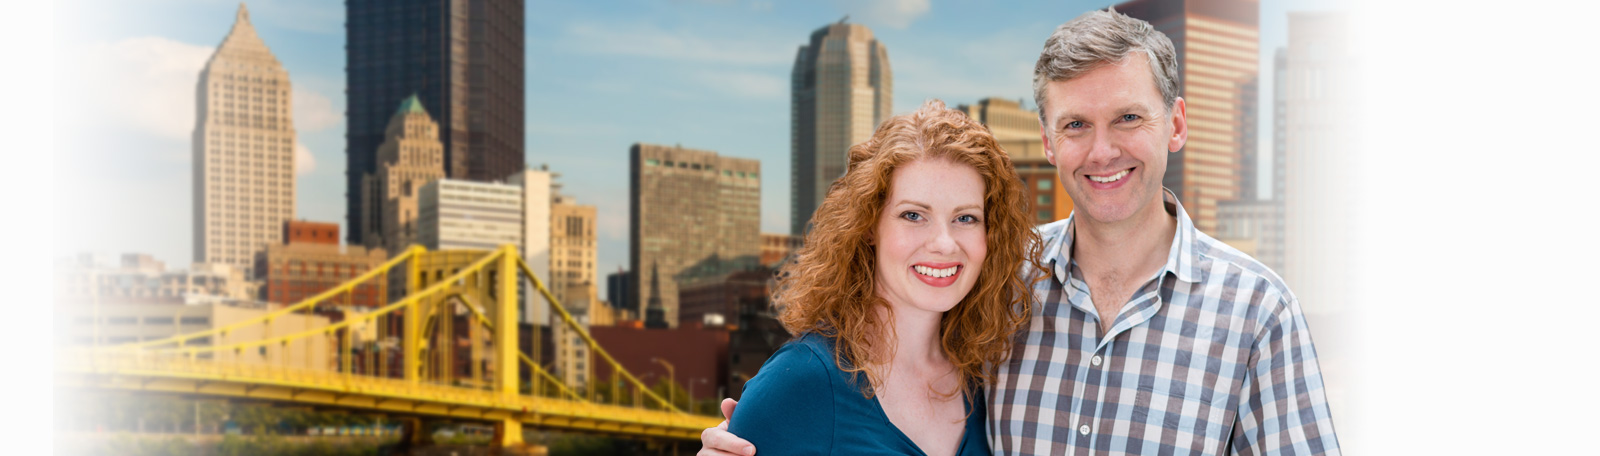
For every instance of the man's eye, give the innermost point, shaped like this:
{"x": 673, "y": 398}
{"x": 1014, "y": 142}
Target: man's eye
{"x": 912, "y": 216}
{"x": 1076, "y": 124}
{"x": 1130, "y": 117}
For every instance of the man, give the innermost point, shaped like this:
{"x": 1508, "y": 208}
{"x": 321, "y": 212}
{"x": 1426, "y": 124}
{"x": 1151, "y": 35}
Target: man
{"x": 1150, "y": 337}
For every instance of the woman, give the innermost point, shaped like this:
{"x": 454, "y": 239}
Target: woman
{"x": 905, "y": 292}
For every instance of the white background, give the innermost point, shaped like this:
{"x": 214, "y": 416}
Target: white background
{"x": 1476, "y": 247}
{"x": 1475, "y": 280}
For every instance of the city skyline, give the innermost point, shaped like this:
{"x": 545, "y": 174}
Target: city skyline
{"x": 463, "y": 59}
{"x": 562, "y": 68}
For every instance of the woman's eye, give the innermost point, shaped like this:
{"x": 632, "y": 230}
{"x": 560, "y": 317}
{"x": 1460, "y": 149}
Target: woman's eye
{"x": 967, "y": 218}
{"x": 912, "y": 216}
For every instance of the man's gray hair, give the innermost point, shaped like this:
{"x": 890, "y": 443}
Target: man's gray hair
{"x": 1104, "y": 37}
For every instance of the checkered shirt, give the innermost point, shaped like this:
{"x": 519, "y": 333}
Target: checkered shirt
{"x": 1210, "y": 356}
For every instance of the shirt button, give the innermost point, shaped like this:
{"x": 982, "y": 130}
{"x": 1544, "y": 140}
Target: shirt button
{"x": 1084, "y": 429}
{"x": 1095, "y": 360}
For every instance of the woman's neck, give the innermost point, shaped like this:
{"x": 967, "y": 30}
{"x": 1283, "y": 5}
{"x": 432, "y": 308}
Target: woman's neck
{"x": 914, "y": 340}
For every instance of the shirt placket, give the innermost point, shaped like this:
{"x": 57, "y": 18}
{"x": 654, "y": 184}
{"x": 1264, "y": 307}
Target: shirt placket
{"x": 1089, "y": 426}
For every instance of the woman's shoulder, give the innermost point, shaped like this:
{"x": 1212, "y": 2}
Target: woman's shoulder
{"x": 809, "y": 353}
{"x": 789, "y": 405}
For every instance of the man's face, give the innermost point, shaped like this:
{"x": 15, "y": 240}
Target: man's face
{"x": 1108, "y": 134}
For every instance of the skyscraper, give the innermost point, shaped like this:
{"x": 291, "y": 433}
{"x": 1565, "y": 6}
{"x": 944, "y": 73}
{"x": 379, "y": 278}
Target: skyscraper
{"x": 410, "y": 157}
{"x": 243, "y": 151}
{"x": 1249, "y": 142}
{"x": 1280, "y": 121}
{"x": 1316, "y": 196}
{"x": 841, "y": 89}
{"x": 573, "y": 272}
{"x": 692, "y": 214}
{"x": 464, "y": 61}
{"x": 1216, "y": 41}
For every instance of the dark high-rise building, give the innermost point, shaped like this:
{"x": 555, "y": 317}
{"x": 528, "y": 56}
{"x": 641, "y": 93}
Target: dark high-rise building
{"x": 463, "y": 59}
{"x": 618, "y": 285}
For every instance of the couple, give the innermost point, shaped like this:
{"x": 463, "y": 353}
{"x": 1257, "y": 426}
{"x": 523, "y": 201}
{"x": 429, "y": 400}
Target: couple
{"x": 931, "y": 320}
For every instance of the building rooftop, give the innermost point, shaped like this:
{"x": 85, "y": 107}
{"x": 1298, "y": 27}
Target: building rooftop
{"x": 411, "y": 105}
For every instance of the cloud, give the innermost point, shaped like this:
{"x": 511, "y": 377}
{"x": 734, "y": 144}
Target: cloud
{"x": 304, "y": 162}
{"x": 675, "y": 45}
{"x": 746, "y": 84}
{"x": 147, "y": 83}
{"x": 313, "y": 111}
{"x": 897, "y": 14}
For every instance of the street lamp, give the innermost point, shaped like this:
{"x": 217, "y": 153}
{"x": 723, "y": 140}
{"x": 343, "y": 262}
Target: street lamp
{"x": 691, "y": 391}
{"x": 671, "y": 380}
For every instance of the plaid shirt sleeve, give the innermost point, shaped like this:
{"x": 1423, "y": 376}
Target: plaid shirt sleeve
{"x": 1283, "y": 409}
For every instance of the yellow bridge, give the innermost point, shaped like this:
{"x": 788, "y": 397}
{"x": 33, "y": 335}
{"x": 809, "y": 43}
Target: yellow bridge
{"x": 419, "y": 375}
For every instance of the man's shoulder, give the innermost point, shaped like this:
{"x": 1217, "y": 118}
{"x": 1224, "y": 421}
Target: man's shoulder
{"x": 1211, "y": 253}
{"x": 1052, "y": 231}
{"x": 1051, "y": 234}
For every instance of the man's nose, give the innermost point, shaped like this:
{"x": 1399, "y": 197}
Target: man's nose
{"x": 1101, "y": 150}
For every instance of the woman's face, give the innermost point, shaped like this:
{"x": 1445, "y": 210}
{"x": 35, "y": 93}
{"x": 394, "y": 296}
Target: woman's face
{"x": 930, "y": 238}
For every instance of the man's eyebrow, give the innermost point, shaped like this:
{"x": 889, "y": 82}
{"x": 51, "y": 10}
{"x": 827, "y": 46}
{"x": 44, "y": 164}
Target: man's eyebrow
{"x": 1136, "y": 107}
{"x": 1131, "y": 107}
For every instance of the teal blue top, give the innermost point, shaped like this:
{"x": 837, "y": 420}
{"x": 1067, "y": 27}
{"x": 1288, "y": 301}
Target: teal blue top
{"x": 802, "y": 403}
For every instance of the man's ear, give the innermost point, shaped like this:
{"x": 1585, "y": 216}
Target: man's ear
{"x": 1044, "y": 136}
{"x": 1180, "y": 126}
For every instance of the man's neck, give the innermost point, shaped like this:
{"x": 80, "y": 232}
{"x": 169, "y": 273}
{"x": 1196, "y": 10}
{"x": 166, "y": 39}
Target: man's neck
{"x": 1135, "y": 247}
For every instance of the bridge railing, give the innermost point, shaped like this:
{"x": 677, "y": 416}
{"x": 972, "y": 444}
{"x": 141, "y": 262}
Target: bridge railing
{"x": 451, "y": 326}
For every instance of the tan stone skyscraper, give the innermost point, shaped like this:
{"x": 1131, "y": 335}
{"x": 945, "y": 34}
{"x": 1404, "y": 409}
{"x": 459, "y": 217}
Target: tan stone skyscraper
{"x": 841, "y": 89}
{"x": 573, "y": 254}
{"x": 243, "y": 151}
{"x": 411, "y": 156}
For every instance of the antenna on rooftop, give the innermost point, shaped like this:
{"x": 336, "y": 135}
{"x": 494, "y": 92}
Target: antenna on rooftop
{"x": 845, "y": 18}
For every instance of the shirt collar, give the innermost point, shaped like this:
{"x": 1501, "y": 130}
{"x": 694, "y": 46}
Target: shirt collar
{"x": 1181, "y": 260}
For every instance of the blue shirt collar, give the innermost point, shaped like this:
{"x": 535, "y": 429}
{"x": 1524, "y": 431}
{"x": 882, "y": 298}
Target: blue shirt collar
{"x": 1181, "y": 261}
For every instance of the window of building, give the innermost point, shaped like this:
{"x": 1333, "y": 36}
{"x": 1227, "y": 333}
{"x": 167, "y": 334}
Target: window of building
{"x": 195, "y": 321}
{"x": 1044, "y": 199}
{"x": 1044, "y": 184}
{"x": 121, "y": 320}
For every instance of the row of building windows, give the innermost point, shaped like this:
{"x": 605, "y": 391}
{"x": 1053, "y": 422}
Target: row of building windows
{"x": 229, "y": 134}
{"x": 699, "y": 167}
{"x": 116, "y": 340}
{"x": 124, "y": 321}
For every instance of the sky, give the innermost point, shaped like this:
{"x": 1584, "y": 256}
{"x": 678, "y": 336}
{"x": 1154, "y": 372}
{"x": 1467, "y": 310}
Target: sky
{"x": 706, "y": 74}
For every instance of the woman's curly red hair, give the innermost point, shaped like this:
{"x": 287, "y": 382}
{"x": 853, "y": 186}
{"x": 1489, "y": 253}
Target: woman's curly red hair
{"x": 829, "y": 287}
